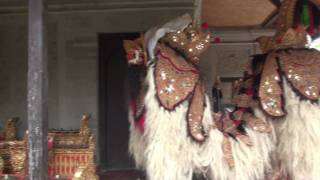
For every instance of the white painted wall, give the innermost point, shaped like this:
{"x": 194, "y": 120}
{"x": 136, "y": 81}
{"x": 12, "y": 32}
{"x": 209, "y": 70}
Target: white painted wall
{"x": 225, "y": 59}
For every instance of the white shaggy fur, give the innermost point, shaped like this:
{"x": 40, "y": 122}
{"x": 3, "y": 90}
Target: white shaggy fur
{"x": 251, "y": 163}
{"x": 136, "y": 143}
{"x": 299, "y": 138}
{"x": 168, "y": 153}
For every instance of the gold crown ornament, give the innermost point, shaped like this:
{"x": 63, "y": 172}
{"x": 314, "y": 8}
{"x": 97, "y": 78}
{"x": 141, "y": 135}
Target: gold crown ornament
{"x": 136, "y": 53}
{"x": 286, "y": 35}
{"x": 190, "y": 42}
{"x": 292, "y": 38}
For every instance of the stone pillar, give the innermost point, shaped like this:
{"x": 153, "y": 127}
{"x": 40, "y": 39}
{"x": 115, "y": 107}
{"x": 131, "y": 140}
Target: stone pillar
{"x": 37, "y": 91}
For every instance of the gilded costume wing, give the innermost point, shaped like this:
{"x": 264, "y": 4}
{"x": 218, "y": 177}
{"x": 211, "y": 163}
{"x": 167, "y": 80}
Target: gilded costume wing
{"x": 195, "y": 113}
{"x": 302, "y": 70}
{"x": 175, "y": 78}
{"x": 270, "y": 91}
{"x": 175, "y": 49}
{"x": 176, "y": 81}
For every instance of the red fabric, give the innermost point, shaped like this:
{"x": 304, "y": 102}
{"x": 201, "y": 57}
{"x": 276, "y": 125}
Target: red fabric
{"x": 130, "y": 55}
{"x": 133, "y": 106}
{"x": 237, "y": 122}
{"x": 217, "y": 40}
{"x": 279, "y": 40}
{"x": 243, "y": 109}
{"x": 249, "y": 92}
{"x": 205, "y": 25}
{"x": 311, "y": 29}
{"x": 50, "y": 144}
{"x": 139, "y": 124}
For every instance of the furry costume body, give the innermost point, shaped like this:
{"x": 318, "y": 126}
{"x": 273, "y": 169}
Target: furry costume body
{"x": 168, "y": 150}
{"x": 296, "y": 112}
{"x": 298, "y": 138}
{"x": 288, "y": 91}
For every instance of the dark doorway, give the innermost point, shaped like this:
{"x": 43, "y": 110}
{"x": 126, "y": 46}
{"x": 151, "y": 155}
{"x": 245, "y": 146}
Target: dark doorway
{"x": 113, "y": 102}
{"x": 116, "y": 82}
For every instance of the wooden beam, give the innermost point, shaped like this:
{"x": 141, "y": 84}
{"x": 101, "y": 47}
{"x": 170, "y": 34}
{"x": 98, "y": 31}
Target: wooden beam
{"x": 37, "y": 91}
{"x": 236, "y": 13}
{"x": 58, "y": 7}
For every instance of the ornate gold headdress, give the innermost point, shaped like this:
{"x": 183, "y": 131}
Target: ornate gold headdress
{"x": 286, "y": 36}
{"x": 191, "y": 42}
{"x": 136, "y": 53}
